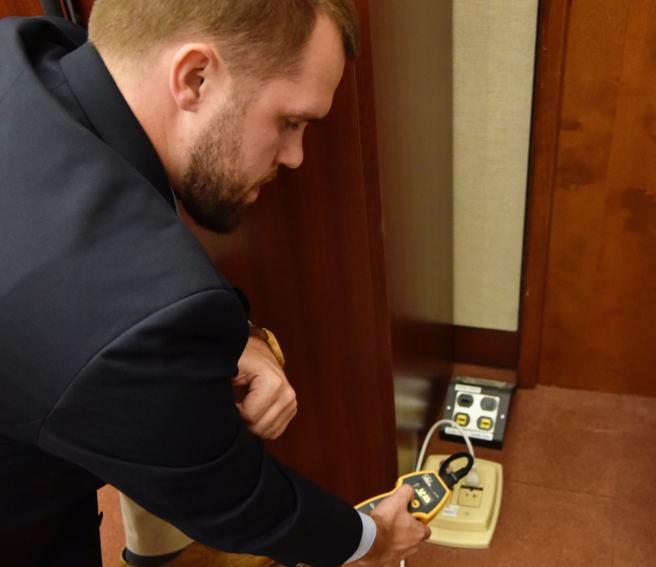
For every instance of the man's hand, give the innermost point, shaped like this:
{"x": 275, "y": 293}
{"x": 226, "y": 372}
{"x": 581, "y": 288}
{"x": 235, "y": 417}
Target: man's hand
{"x": 398, "y": 534}
{"x": 270, "y": 402}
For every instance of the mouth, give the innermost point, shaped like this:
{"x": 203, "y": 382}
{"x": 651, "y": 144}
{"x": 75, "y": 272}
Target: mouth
{"x": 255, "y": 190}
{"x": 268, "y": 178}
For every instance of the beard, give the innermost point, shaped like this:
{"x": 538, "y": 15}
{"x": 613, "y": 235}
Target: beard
{"x": 215, "y": 189}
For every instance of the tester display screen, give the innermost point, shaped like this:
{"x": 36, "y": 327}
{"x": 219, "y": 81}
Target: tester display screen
{"x": 421, "y": 492}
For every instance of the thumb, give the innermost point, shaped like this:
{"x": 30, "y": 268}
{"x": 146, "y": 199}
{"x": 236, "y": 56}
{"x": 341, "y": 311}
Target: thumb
{"x": 395, "y": 503}
{"x": 243, "y": 378}
{"x": 401, "y": 498}
{"x": 404, "y": 493}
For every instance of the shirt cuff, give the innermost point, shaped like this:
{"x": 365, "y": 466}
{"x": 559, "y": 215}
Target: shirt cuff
{"x": 368, "y": 537}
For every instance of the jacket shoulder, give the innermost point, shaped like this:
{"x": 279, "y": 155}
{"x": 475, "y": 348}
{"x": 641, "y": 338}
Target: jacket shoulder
{"x": 23, "y": 41}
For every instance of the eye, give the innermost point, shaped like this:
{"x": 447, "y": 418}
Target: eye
{"x": 291, "y": 125}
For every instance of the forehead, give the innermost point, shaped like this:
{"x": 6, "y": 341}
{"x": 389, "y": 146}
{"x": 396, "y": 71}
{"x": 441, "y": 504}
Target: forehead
{"x": 308, "y": 94}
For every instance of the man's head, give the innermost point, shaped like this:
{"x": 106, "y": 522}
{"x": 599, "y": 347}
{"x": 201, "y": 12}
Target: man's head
{"x": 225, "y": 88}
{"x": 262, "y": 38}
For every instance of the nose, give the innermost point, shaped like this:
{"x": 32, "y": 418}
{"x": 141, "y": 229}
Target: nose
{"x": 290, "y": 151}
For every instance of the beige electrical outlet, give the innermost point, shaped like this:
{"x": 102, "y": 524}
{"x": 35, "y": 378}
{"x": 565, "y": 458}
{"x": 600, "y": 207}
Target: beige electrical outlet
{"x": 470, "y": 516}
{"x": 472, "y": 497}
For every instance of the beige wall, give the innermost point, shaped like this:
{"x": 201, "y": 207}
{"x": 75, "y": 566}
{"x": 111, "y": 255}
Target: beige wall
{"x": 453, "y": 87}
{"x": 493, "y": 54}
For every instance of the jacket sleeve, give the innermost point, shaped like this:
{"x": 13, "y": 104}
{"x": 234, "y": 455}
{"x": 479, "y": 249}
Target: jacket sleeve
{"x": 153, "y": 414}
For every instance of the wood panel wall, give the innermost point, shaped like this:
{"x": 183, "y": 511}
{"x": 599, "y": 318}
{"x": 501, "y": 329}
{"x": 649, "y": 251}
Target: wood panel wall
{"x": 20, "y": 8}
{"x": 598, "y": 326}
{"x": 550, "y": 60}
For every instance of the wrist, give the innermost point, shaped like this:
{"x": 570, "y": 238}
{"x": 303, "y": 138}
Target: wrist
{"x": 270, "y": 339}
{"x": 377, "y": 549}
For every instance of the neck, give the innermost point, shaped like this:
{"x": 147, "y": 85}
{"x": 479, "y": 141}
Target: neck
{"x": 148, "y": 95}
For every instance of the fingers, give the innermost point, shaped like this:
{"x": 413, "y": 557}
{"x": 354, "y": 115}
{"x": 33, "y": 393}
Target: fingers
{"x": 405, "y": 494}
{"x": 269, "y": 405}
{"x": 265, "y": 419}
{"x": 270, "y": 402}
{"x": 256, "y": 360}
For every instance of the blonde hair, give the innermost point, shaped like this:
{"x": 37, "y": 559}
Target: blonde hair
{"x": 258, "y": 38}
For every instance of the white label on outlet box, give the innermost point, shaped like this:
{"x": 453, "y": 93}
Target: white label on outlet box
{"x": 470, "y": 433}
{"x": 451, "y": 511}
{"x": 471, "y": 389}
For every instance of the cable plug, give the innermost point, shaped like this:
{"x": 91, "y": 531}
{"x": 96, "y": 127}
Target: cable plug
{"x": 472, "y": 480}
{"x": 450, "y": 477}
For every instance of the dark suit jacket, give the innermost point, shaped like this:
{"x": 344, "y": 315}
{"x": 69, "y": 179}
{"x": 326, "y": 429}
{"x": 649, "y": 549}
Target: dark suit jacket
{"x": 118, "y": 338}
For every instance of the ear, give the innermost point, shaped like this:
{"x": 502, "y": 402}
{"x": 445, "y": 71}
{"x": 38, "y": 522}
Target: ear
{"x": 196, "y": 70}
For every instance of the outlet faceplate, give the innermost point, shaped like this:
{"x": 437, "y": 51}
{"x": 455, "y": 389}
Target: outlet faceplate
{"x": 470, "y": 516}
{"x": 478, "y": 406}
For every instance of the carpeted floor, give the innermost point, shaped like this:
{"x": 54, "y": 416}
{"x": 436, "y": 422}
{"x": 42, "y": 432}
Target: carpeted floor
{"x": 579, "y": 486}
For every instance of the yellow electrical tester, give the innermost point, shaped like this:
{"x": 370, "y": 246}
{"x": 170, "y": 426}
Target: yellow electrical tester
{"x": 432, "y": 489}
{"x": 431, "y": 495}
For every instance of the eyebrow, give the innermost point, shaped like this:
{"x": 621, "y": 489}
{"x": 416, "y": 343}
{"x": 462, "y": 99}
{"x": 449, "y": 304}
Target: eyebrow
{"x": 310, "y": 118}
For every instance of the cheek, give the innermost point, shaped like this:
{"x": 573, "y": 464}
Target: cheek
{"x": 260, "y": 153}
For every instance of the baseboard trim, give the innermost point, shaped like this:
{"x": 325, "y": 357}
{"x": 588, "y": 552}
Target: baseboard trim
{"x": 485, "y": 347}
{"x": 426, "y": 346}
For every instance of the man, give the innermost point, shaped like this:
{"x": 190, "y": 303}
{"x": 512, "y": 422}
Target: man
{"x": 119, "y": 337}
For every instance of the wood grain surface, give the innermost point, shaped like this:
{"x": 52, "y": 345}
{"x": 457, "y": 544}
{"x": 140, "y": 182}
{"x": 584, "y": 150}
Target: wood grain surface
{"x": 599, "y": 319}
{"x": 551, "y": 47}
{"x": 20, "y": 8}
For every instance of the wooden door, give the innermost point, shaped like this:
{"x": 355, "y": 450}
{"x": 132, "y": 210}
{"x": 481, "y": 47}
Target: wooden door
{"x": 310, "y": 258}
{"x": 589, "y": 318}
